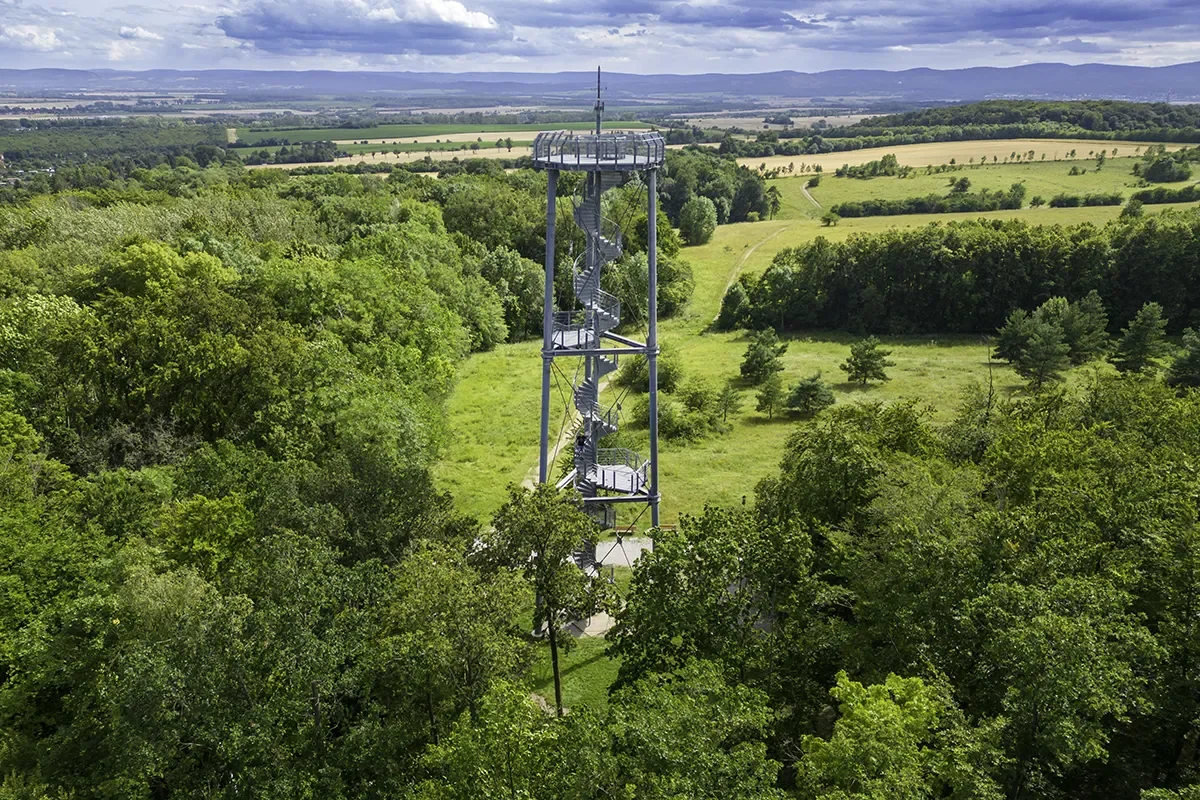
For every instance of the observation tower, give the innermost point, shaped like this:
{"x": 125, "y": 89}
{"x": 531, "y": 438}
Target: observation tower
{"x": 583, "y": 324}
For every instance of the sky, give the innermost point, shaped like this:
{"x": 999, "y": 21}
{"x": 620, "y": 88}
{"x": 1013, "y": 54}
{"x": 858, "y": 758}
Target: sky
{"x": 640, "y": 36}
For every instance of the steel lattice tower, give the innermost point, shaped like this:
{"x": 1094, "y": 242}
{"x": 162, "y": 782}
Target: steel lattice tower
{"x": 603, "y": 476}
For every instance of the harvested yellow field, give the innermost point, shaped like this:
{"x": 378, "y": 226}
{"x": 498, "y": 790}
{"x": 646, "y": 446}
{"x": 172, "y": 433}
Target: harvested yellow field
{"x": 404, "y": 158}
{"x": 935, "y": 153}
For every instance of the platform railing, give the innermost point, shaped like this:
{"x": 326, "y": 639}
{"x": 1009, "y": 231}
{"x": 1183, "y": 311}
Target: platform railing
{"x": 642, "y": 149}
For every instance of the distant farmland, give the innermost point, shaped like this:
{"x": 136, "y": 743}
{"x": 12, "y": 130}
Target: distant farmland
{"x": 252, "y": 135}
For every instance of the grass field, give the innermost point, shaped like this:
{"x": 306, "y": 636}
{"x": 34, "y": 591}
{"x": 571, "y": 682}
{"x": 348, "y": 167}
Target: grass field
{"x": 494, "y": 416}
{"x": 1045, "y": 178}
{"x": 935, "y": 153}
{"x": 413, "y": 131}
{"x": 437, "y": 147}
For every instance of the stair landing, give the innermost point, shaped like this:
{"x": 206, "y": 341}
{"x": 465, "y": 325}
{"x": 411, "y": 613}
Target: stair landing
{"x": 618, "y": 478}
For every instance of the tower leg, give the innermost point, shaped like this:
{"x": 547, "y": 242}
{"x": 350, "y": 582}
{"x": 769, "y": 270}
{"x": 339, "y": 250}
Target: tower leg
{"x": 548, "y": 325}
{"x": 652, "y": 338}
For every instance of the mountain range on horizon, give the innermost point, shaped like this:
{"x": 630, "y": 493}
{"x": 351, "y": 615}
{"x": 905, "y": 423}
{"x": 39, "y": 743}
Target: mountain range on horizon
{"x": 1179, "y": 82}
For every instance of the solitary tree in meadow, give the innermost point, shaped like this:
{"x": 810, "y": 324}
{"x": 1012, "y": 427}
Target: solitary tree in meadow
{"x": 774, "y": 201}
{"x": 729, "y": 401}
{"x": 810, "y": 396}
{"x": 698, "y": 220}
{"x": 771, "y": 395}
{"x": 867, "y": 362}
{"x": 762, "y": 356}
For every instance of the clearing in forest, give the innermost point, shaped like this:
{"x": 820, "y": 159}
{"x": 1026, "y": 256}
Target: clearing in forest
{"x": 493, "y": 414}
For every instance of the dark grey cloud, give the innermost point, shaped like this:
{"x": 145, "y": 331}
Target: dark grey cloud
{"x": 730, "y": 16}
{"x": 429, "y": 27}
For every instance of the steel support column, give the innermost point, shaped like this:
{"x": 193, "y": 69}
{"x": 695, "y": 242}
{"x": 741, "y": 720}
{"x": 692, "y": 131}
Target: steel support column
{"x": 652, "y": 338}
{"x": 548, "y": 324}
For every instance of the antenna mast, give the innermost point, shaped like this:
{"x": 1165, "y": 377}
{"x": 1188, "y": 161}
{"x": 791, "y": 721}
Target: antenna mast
{"x": 599, "y": 102}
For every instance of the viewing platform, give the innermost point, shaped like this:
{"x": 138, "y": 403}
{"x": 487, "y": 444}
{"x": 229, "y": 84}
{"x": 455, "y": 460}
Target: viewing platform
{"x": 589, "y": 152}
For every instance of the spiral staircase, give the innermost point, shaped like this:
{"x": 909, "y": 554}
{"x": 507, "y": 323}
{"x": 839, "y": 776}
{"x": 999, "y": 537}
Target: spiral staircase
{"x": 597, "y": 469}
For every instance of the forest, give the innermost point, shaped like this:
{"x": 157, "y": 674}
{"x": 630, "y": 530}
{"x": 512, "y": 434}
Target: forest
{"x": 1093, "y": 116}
{"x": 226, "y": 569}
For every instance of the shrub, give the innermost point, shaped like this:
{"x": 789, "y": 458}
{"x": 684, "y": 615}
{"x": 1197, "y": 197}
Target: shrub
{"x": 810, "y": 396}
{"x": 635, "y": 372}
{"x": 1166, "y": 170}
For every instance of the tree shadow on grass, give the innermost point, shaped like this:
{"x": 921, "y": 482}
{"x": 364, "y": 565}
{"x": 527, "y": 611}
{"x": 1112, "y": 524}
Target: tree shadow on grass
{"x": 848, "y": 338}
{"x": 856, "y": 388}
{"x": 565, "y": 669}
{"x": 761, "y": 420}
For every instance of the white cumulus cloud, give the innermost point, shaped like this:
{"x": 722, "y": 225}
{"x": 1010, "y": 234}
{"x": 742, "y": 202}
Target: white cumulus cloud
{"x": 38, "y": 38}
{"x": 139, "y": 32}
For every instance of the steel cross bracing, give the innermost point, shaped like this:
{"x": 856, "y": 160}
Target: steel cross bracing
{"x": 604, "y": 477}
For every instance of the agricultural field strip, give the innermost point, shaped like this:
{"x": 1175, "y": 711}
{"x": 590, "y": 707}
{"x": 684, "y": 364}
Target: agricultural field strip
{"x": 937, "y": 153}
{"x": 415, "y": 130}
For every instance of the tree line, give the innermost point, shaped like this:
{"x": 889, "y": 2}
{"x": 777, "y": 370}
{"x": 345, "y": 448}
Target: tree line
{"x": 1093, "y": 116}
{"x": 966, "y": 277}
{"x": 959, "y": 198}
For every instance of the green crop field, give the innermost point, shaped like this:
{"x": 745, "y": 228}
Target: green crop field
{"x": 251, "y": 135}
{"x": 493, "y": 413}
{"x": 422, "y": 147}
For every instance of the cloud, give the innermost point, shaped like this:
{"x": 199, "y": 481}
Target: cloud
{"x": 139, "y": 32}
{"x": 363, "y": 26}
{"x": 121, "y": 50}
{"x": 37, "y": 38}
{"x": 728, "y": 15}
{"x": 1078, "y": 45}
{"x": 648, "y": 35}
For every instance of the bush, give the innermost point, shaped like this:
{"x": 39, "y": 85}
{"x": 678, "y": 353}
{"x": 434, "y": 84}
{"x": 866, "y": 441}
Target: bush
{"x": 634, "y": 373}
{"x": 1075, "y": 201}
{"x": 810, "y": 396}
{"x": 1166, "y": 170}
{"x": 689, "y": 415}
{"x": 1161, "y": 194}
{"x": 1133, "y": 209}
{"x": 958, "y": 200}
